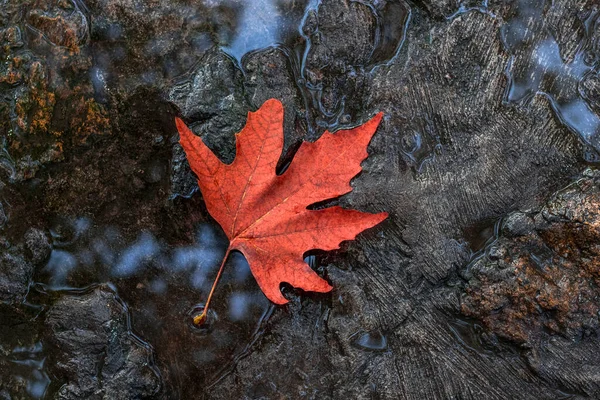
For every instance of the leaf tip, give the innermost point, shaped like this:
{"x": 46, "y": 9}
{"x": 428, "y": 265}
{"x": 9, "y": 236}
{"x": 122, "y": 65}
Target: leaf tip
{"x": 269, "y": 107}
{"x": 273, "y": 104}
{"x": 374, "y": 122}
{"x": 179, "y": 123}
{"x": 380, "y": 217}
{"x": 182, "y": 128}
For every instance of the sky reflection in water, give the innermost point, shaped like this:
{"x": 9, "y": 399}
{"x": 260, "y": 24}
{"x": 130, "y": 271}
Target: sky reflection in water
{"x": 84, "y": 254}
{"x": 265, "y": 23}
{"x": 536, "y": 66}
{"x": 28, "y": 366}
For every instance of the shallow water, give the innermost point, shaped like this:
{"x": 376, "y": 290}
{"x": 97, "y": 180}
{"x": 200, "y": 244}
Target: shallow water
{"x": 28, "y": 365}
{"x": 163, "y": 285}
{"x": 537, "y": 67}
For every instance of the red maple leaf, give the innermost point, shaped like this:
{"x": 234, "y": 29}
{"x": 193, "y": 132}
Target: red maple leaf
{"x": 265, "y": 215}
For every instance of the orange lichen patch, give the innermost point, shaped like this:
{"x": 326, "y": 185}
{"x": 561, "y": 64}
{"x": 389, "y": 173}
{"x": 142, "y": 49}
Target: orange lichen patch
{"x": 34, "y": 108}
{"x": 11, "y": 37}
{"x": 65, "y": 28}
{"x": 585, "y": 227}
{"x": 10, "y": 72}
{"x": 14, "y": 69}
{"x": 90, "y": 118}
{"x": 548, "y": 280}
{"x": 35, "y": 105}
{"x": 42, "y": 111}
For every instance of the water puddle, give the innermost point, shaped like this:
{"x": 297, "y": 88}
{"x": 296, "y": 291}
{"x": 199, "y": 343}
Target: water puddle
{"x": 22, "y": 355}
{"x": 371, "y": 341}
{"x": 324, "y": 57}
{"x": 482, "y": 234}
{"x": 162, "y": 285}
{"x": 537, "y": 67}
{"x": 469, "y": 335}
{"x": 27, "y": 365}
{"x": 265, "y": 23}
{"x": 314, "y": 56}
{"x": 419, "y": 147}
{"x": 466, "y": 6}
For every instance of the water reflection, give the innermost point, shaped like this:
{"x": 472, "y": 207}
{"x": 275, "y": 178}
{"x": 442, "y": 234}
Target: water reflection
{"x": 371, "y": 341}
{"x": 200, "y": 259}
{"x": 27, "y": 366}
{"x": 315, "y": 55}
{"x": 260, "y": 26}
{"x": 59, "y": 266}
{"x": 161, "y": 283}
{"x": 85, "y": 254}
{"x": 537, "y": 67}
{"x": 136, "y": 256}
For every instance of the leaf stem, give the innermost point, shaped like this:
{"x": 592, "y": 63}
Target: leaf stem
{"x": 201, "y": 318}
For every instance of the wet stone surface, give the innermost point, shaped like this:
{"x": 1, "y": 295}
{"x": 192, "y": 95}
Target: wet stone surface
{"x": 483, "y": 283}
{"x": 537, "y": 284}
{"x": 540, "y": 278}
{"x": 94, "y": 351}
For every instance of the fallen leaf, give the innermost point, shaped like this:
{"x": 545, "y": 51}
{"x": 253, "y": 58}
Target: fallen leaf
{"x": 265, "y": 215}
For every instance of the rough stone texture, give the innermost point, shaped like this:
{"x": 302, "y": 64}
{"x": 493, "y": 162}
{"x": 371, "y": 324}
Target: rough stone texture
{"x": 45, "y": 106}
{"x": 543, "y": 276}
{"x": 17, "y": 264}
{"x": 537, "y": 285}
{"x": 3, "y": 217}
{"x": 448, "y": 156}
{"x": 214, "y": 93}
{"x": 88, "y": 95}
{"x": 37, "y": 245}
{"x": 15, "y": 275}
{"x": 95, "y": 354}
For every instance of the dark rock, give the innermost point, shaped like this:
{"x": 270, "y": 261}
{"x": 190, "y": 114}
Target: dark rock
{"x": 15, "y": 275}
{"x": 591, "y": 89}
{"x": 134, "y": 50}
{"x": 211, "y": 99}
{"x": 62, "y": 24}
{"x": 44, "y": 60}
{"x": 518, "y": 224}
{"x": 269, "y": 74}
{"x": 37, "y": 245}
{"x": 183, "y": 181}
{"x": 547, "y": 279}
{"x": 3, "y": 217}
{"x": 305, "y": 378}
{"x": 440, "y": 9}
{"x": 338, "y": 63}
{"x": 345, "y": 35}
{"x": 447, "y": 156}
{"x": 94, "y": 354}
{"x": 541, "y": 293}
